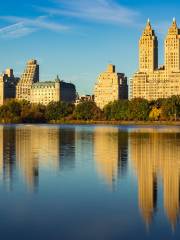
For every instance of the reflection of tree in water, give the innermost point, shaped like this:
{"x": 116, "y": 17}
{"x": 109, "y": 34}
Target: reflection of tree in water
{"x": 111, "y": 153}
{"x": 154, "y": 153}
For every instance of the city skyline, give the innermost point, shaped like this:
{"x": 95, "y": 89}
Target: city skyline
{"x": 77, "y": 39}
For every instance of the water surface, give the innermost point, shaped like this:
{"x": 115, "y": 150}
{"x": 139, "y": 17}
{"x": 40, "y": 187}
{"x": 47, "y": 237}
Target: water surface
{"x": 89, "y": 182}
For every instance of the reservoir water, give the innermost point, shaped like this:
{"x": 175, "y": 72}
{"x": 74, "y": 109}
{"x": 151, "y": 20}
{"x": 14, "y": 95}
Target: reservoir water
{"x": 89, "y": 182}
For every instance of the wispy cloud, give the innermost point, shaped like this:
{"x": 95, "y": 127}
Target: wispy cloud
{"x": 15, "y": 31}
{"x": 106, "y": 11}
{"x": 20, "y": 27}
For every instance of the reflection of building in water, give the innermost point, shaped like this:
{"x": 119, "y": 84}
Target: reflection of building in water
{"x": 38, "y": 147}
{"x": 67, "y": 148}
{"x": 35, "y": 147}
{"x": 141, "y": 152}
{"x": 7, "y": 153}
{"x": 26, "y": 156}
{"x": 154, "y": 153}
{"x": 110, "y": 149}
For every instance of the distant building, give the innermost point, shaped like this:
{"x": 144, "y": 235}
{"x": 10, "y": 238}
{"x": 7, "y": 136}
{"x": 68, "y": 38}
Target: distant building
{"x": 30, "y": 76}
{"x": 110, "y": 86}
{"x": 151, "y": 82}
{"x": 29, "y": 88}
{"x": 46, "y": 92}
{"x": 7, "y": 85}
{"x": 84, "y": 98}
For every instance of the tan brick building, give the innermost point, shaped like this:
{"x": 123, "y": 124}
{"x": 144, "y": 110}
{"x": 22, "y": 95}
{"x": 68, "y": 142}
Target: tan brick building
{"x": 30, "y": 76}
{"x": 110, "y": 86}
{"x": 53, "y": 91}
{"x": 151, "y": 82}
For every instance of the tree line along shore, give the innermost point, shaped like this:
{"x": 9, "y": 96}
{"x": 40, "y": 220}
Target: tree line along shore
{"x": 133, "y": 111}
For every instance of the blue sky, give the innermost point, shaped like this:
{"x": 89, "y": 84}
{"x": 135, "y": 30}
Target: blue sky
{"x": 78, "y": 38}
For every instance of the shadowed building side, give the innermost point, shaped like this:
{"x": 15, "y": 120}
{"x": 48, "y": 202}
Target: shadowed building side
{"x": 8, "y": 84}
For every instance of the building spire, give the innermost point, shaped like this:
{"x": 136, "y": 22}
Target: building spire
{"x": 174, "y": 22}
{"x": 57, "y": 78}
{"x": 173, "y": 28}
{"x": 148, "y": 29}
{"x": 148, "y": 25}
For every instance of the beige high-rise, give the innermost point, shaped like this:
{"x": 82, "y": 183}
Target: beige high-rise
{"x": 30, "y": 76}
{"x": 110, "y": 86}
{"x": 148, "y": 50}
{"x": 151, "y": 82}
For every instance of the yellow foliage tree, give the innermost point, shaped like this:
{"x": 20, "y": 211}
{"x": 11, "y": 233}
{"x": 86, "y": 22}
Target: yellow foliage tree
{"x": 155, "y": 113}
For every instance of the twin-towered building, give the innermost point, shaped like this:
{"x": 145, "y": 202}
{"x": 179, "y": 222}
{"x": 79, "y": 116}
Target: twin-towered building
{"x": 153, "y": 82}
{"x": 29, "y": 88}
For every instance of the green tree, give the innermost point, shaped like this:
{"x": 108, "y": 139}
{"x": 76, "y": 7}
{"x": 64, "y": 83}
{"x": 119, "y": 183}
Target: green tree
{"x": 10, "y": 112}
{"x": 171, "y": 108}
{"x": 87, "y": 111}
{"x": 117, "y": 110}
{"x": 33, "y": 113}
{"x": 58, "y": 110}
{"x": 139, "y": 109}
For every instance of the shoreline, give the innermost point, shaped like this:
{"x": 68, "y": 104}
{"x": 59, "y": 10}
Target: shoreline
{"x": 115, "y": 123}
{"x": 92, "y": 122}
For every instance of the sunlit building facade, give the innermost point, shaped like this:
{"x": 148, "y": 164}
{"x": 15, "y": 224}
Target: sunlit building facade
{"x": 30, "y": 76}
{"x": 153, "y": 82}
{"x": 110, "y": 86}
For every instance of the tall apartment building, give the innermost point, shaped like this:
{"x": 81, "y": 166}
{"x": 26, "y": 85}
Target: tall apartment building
{"x": 30, "y": 76}
{"x": 110, "y": 86}
{"x": 151, "y": 82}
{"x": 8, "y": 84}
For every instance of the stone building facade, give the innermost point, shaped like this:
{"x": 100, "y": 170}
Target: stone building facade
{"x": 110, "y": 86}
{"x": 46, "y": 92}
{"x": 151, "y": 82}
{"x": 8, "y": 84}
{"x": 30, "y": 76}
